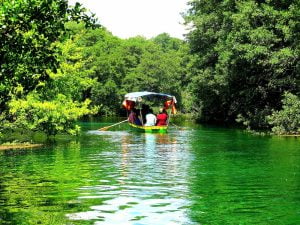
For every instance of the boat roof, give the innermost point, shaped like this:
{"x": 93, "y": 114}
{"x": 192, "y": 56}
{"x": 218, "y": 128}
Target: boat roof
{"x": 137, "y": 96}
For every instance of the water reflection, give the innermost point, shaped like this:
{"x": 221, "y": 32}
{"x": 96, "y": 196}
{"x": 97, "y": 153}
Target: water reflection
{"x": 150, "y": 188}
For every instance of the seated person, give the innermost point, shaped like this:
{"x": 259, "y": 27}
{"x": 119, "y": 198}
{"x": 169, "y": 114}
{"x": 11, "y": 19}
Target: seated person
{"x": 150, "y": 118}
{"x": 162, "y": 117}
{"x": 144, "y": 111}
{"x": 133, "y": 118}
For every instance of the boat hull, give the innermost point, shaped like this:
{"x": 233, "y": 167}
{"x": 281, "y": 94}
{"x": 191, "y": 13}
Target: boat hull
{"x": 149, "y": 129}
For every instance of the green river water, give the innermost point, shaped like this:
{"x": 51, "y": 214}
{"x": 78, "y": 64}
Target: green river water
{"x": 199, "y": 175}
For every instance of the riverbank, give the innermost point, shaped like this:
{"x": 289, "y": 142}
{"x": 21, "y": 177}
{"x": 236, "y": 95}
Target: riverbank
{"x": 18, "y": 146}
{"x": 289, "y": 135}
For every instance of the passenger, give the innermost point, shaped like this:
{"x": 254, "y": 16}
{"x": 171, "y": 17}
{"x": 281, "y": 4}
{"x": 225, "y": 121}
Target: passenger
{"x": 162, "y": 117}
{"x": 133, "y": 117}
{"x": 150, "y": 118}
{"x": 145, "y": 110}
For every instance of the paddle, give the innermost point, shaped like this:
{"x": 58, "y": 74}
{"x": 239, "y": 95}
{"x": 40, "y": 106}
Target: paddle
{"x": 107, "y": 127}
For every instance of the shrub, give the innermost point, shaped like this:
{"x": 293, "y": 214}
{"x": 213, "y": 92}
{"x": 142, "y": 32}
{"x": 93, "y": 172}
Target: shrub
{"x": 56, "y": 116}
{"x": 287, "y": 120}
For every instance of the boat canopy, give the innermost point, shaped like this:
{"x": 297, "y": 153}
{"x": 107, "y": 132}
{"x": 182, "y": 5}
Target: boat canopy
{"x": 138, "y": 96}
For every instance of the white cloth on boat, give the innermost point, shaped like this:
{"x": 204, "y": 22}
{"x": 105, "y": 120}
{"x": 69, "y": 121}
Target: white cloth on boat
{"x": 150, "y": 119}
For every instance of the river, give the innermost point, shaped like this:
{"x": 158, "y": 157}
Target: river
{"x": 195, "y": 175}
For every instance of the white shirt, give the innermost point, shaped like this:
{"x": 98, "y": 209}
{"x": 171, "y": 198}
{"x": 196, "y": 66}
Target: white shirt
{"x": 150, "y": 119}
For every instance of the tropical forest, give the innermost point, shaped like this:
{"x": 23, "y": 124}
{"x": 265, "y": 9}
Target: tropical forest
{"x": 230, "y": 156}
{"x": 239, "y": 64}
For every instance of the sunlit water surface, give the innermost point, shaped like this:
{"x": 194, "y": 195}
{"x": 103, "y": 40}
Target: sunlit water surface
{"x": 196, "y": 175}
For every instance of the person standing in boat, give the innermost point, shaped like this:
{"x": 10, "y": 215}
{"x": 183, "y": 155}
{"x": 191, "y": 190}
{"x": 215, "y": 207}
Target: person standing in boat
{"x": 150, "y": 118}
{"x": 162, "y": 117}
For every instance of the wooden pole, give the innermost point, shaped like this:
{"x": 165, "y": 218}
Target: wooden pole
{"x": 107, "y": 127}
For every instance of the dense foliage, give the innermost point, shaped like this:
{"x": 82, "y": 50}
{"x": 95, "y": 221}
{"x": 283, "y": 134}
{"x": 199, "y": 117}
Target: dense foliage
{"x": 117, "y": 66}
{"x": 30, "y": 32}
{"x": 52, "y": 117}
{"x": 53, "y": 69}
{"x": 247, "y": 57}
{"x": 287, "y": 120}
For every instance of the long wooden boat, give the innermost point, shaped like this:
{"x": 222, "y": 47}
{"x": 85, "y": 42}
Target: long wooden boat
{"x": 149, "y": 129}
{"x": 136, "y": 99}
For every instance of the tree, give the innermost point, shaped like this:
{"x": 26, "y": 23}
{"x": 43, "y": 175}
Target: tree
{"x": 29, "y": 31}
{"x": 30, "y": 54}
{"x": 161, "y": 67}
{"x": 106, "y": 61}
{"x": 247, "y": 57}
{"x": 158, "y": 71}
{"x": 167, "y": 42}
{"x": 121, "y": 66}
{"x": 74, "y": 77}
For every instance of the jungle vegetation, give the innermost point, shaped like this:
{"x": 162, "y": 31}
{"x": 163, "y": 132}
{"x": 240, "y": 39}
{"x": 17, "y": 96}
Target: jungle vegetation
{"x": 247, "y": 59}
{"x": 239, "y": 63}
